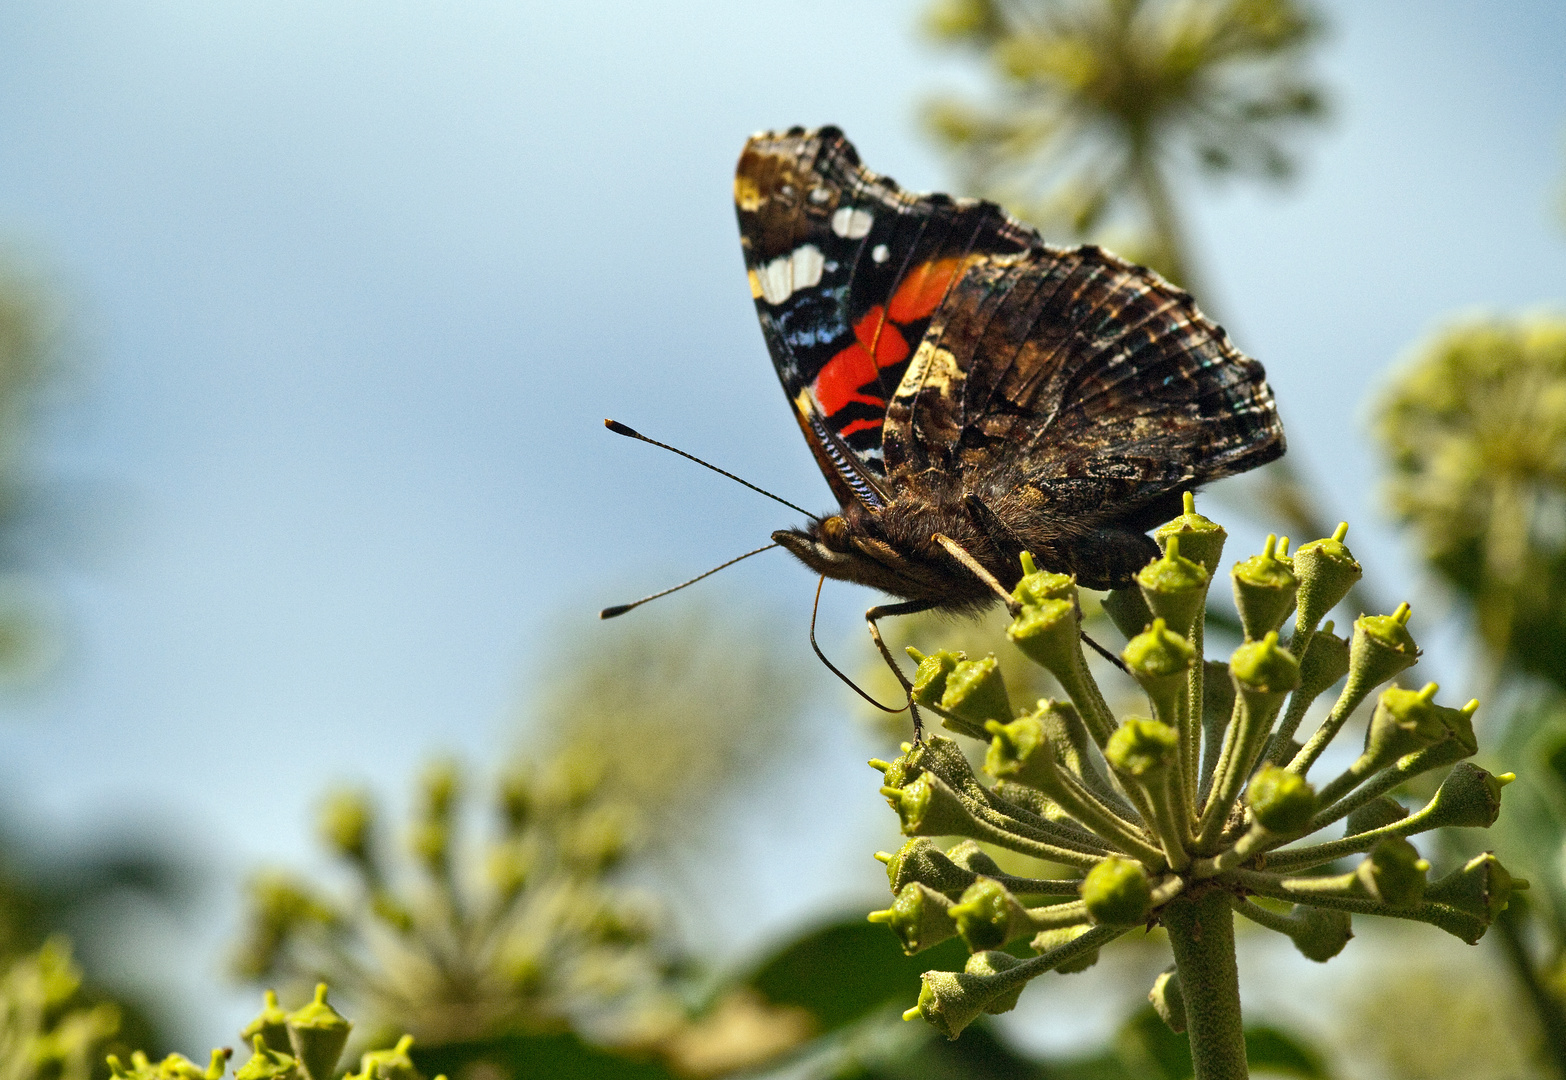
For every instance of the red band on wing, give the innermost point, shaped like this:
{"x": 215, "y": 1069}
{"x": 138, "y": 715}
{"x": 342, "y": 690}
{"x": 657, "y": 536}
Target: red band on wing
{"x": 852, "y": 369}
{"x": 860, "y": 425}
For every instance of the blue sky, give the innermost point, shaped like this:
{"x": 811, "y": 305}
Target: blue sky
{"x": 353, "y": 284}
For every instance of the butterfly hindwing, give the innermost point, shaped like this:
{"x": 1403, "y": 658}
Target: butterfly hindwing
{"x": 846, "y": 270}
{"x": 1091, "y": 381}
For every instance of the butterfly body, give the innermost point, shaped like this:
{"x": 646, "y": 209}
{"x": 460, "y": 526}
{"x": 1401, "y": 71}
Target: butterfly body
{"x": 958, "y": 378}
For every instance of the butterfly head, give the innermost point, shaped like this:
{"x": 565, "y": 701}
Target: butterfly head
{"x": 848, "y": 548}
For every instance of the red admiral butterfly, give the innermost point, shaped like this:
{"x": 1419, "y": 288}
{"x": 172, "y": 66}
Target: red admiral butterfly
{"x": 971, "y": 392}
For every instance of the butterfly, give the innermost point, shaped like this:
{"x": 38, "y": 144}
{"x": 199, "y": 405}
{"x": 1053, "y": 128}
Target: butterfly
{"x": 971, "y": 392}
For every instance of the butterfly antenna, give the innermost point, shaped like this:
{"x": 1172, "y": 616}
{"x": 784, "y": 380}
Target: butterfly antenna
{"x": 1106, "y": 654}
{"x": 631, "y": 433}
{"x": 833, "y": 667}
{"x": 621, "y": 609}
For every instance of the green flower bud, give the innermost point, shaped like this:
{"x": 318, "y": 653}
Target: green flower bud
{"x": 1405, "y": 722}
{"x": 1200, "y": 539}
{"x": 1378, "y": 813}
{"x": 346, "y": 821}
{"x": 271, "y": 1023}
{"x": 929, "y": 681}
{"x": 901, "y": 770}
{"x": 1038, "y": 585}
{"x": 919, "y": 916}
{"x": 1020, "y": 751}
{"x": 1321, "y": 932}
{"x": 1281, "y": 802}
{"x": 1482, "y": 888}
{"x": 1116, "y": 892}
{"x": 1157, "y": 653}
{"x": 1382, "y": 647}
{"x": 1175, "y": 588}
{"x": 1049, "y": 633}
{"x": 1071, "y": 744}
{"x": 1168, "y": 999}
{"x": 1159, "y": 660}
{"x": 393, "y": 1064}
{"x": 1128, "y": 611}
{"x": 172, "y": 1067}
{"x": 1326, "y": 572}
{"x": 1469, "y": 798}
{"x": 267, "y": 1064}
{"x": 1261, "y": 667}
{"x": 1393, "y": 873}
{"x": 995, "y": 963}
{"x": 988, "y": 916}
{"x": 1055, "y": 937}
{"x": 951, "y": 1001}
{"x": 1142, "y": 748}
{"x": 920, "y": 860}
{"x": 970, "y": 856}
{"x": 1264, "y": 587}
{"x": 944, "y": 758}
{"x": 1460, "y": 723}
{"x": 975, "y": 691}
{"x": 1326, "y": 661}
{"x": 318, "y": 1034}
{"x": 929, "y": 807}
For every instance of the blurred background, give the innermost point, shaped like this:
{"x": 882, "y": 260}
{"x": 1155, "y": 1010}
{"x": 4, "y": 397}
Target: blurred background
{"x": 314, "y": 311}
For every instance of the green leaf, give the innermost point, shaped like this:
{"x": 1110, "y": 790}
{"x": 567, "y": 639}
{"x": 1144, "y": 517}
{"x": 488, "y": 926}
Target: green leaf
{"x": 845, "y": 970}
{"x": 1149, "y": 1049}
{"x": 1274, "y": 1051}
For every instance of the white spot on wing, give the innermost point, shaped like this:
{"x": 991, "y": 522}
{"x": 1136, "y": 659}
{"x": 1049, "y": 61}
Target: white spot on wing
{"x": 787, "y": 274}
{"x": 851, "y": 223}
{"x": 819, "y": 195}
{"x": 879, "y": 253}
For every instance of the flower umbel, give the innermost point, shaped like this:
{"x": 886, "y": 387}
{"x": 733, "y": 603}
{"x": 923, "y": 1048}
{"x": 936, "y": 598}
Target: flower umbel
{"x": 1204, "y": 809}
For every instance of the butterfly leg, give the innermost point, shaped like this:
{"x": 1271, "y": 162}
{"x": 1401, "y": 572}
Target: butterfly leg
{"x": 908, "y": 607}
{"x": 976, "y": 568}
{"x": 1004, "y": 539}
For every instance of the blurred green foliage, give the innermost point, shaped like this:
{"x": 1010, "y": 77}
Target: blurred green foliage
{"x": 30, "y": 334}
{"x": 1473, "y": 426}
{"x": 457, "y": 938}
{"x": 673, "y": 706}
{"x": 48, "y": 1029}
{"x": 1101, "y": 101}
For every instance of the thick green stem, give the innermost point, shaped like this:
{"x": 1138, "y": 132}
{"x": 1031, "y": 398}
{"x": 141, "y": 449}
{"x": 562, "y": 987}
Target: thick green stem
{"x": 1201, "y": 933}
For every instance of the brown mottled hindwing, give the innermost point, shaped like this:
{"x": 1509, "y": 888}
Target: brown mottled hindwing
{"x": 1089, "y": 382}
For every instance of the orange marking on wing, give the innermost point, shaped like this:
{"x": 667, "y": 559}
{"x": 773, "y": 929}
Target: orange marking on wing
{"x": 921, "y": 290}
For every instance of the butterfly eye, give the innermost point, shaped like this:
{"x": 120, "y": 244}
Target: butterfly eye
{"x": 834, "y": 533}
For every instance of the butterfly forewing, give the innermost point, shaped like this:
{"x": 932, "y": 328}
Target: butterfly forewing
{"x": 846, "y": 270}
